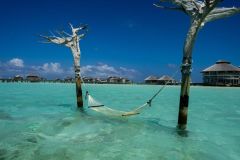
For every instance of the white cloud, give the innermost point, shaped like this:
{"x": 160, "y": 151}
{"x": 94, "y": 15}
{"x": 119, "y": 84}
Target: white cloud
{"x": 49, "y": 68}
{"x": 16, "y": 62}
{"x": 105, "y": 70}
{"x": 70, "y": 71}
{"x": 54, "y": 69}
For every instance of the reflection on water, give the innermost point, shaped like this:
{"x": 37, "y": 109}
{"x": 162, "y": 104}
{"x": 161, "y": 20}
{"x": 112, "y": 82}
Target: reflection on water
{"x": 41, "y": 124}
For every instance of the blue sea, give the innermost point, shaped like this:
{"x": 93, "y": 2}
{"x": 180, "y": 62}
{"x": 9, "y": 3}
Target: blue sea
{"x": 40, "y": 121}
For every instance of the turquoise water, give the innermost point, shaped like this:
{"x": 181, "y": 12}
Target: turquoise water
{"x": 41, "y": 121}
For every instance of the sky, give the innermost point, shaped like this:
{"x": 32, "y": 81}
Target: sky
{"x": 129, "y": 38}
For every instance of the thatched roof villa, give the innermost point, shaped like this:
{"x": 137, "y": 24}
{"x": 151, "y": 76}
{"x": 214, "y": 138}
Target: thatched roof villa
{"x": 166, "y": 79}
{"x": 17, "y": 78}
{"x": 111, "y": 80}
{"x": 162, "y": 80}
{"x": 223, "y": 73}
{"x": 33, "y": 78}
{"x": 118, "y": 80}
{"x": 151, "y": 80}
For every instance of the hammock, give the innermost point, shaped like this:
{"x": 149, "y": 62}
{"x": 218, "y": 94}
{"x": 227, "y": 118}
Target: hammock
{"x": 99, "y": 107}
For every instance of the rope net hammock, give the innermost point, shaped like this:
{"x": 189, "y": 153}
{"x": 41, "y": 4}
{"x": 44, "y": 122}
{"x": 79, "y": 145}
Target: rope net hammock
{"x": 95, "y": 105}
{"x": 99, "y": 107}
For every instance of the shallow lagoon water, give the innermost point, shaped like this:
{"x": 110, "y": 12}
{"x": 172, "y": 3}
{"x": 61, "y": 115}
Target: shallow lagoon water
{"x": 41, "y": 121}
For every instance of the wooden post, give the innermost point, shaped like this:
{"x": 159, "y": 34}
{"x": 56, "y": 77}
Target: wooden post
{"x": 186, "y": 73}
{"x": 72, "y": 42}
{"x": 200, "y": 13}
{"x": 78, "y": 82}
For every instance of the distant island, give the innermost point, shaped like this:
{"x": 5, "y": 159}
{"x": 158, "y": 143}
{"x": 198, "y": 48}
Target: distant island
{"x": 222, "y": 73}
{"x": 35, "y": 78}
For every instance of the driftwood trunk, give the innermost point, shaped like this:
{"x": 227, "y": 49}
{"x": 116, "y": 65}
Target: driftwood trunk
{"x": 76, "y": 52}
{"x": 200, "y": 13}
{"x": 78, "y": 87}
{"x": 72, "y": 42}
{"x": 186, "y": 73}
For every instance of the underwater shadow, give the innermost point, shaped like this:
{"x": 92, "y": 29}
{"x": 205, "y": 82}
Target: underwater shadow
{"x": 151, "y": 123}
{"x": 157, "y": 125}
{"x": 5, "y": 115}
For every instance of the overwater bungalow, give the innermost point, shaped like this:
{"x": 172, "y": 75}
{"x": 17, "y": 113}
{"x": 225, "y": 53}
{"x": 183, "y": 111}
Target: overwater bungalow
{"x": 124, "y": 80}
{"x": 89, "y": 80}
{"x": 151, "y": 80}
{"x": 69, "y": 80}
{"x": 17, "y": 78}
{"x": 102, "y": 80}
{"x": 58, "y": 80}
{"x": 118, "y": 80}
{"x": 33, "y": 78}
{"x": 166, "y": 80}
{"x": 162, "y": 80}
{"x": 113, "y": 79}
{"x": 223, "y": 73}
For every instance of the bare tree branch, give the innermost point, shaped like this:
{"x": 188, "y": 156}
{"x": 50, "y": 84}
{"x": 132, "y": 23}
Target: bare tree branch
{"x": 71, "y": 26}
{"x": 53, "y": 35}
{"x": 81, "y": 36}
{"x": 56, "y": 40}
{"x": 171, "y": 8}
{"x": 219, "y": 13}
{"x": 60, "y": 34}
{"x": 65, "y": 38}
{"x": 190, "y": 7}
{"x": 200, "y": 11}
{"x": 211, "y": 4}
{"x": 67, "y": 34}
{"x": 71, "y": 41}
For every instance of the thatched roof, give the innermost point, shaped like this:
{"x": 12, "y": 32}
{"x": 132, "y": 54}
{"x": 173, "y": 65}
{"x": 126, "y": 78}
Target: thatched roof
{"x": 222, "y": 65}
{"x": 151, "y": 78}
{"x": 113, "y": 77}
{"x": 18, "y": 76}
{"x": 165, "y": 78}
{"x": 32, "y": 75}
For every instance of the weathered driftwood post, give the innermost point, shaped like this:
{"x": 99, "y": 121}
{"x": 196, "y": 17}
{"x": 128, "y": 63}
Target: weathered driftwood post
{"x": 200, "y": 12}
{"x": 72, "y": 41}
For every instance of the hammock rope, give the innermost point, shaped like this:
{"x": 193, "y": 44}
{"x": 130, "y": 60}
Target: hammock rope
{"x": 98, "y": 107}
{"x": 95, "y": 105}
